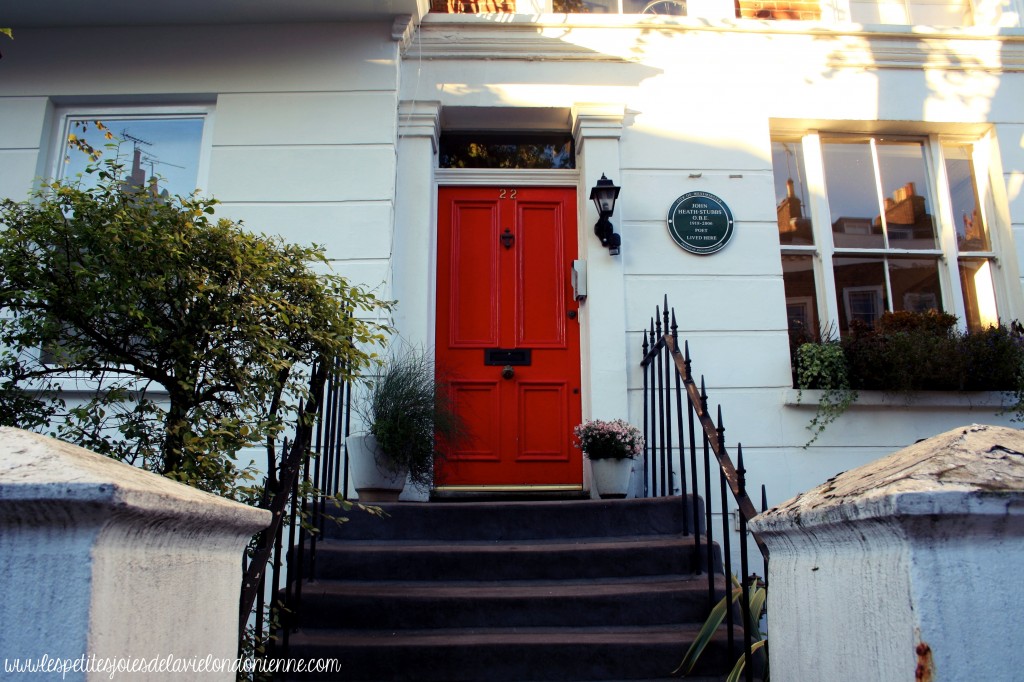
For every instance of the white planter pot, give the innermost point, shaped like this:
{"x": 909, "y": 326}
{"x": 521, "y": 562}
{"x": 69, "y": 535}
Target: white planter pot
{"x": 373, "y": 483}
{"x": 611, "y": 476}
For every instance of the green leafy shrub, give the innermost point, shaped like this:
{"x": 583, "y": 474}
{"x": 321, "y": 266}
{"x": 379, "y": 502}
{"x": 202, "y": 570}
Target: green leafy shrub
{"x": 187, "y": 337}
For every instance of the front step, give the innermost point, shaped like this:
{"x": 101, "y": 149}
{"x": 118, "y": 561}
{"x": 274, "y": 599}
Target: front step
{"x": 507, "y": 654}
{"x": 517, "y": 591}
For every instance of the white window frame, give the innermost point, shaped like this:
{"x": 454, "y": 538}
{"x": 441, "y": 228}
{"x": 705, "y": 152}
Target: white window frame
{"x": 824, "y": 249}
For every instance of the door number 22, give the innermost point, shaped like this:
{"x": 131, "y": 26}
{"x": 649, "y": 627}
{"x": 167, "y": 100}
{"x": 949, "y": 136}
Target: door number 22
{"x": 507, "y": 193}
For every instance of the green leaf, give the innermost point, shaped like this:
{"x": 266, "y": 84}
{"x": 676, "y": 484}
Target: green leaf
{"x": 741, "y": 663}
{"x": 707, "y": 631}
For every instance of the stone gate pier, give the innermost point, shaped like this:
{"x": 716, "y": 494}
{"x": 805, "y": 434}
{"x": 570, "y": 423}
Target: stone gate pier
{"x": 905, "y": 569}
{"x": 110, "y": 572}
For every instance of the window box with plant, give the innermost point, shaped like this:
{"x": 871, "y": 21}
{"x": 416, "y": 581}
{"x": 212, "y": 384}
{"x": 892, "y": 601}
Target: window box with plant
{"x": 908, "y": 352}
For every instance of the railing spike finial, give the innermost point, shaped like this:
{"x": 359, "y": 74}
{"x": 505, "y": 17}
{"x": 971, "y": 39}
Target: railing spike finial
{"x": 664, "y": 313}
{"x": 687, "y": 366}
{"x": 657, "y": 320}
{"x": 721, "y": 429}
{"x": 741, "y": 471}
{"x": 675, "y": 326}
{"x": 764, "y": 498}
{"x": 646, "y": 347}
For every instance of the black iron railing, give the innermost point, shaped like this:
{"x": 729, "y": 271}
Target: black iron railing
{"x": 302, "y": 494}
{"x": 676, "y": 420}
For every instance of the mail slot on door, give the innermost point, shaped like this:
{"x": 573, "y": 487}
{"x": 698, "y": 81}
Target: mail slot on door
{"x": 505, "y": 356}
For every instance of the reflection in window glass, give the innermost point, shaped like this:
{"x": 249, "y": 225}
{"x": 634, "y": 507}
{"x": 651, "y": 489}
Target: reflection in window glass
{"x": 160, "y": 152}
{"x": 915, "y": 284}
{"x": 908, "y": 216}
{"x": 979, "y": 293}
{"x": 971, "y": 232}
{"x": 662, "y": 7}
{"x": 852, "y": 194}
{"x": 801, "y": 299}
{"x": 858, "y": 218}
{"x": 488, "y": 150}
{"x": 791, "y": 206}
{"x": 860, "y": 283}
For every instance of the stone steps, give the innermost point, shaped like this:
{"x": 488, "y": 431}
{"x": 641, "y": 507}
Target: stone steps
{"x": 508, "y": 591}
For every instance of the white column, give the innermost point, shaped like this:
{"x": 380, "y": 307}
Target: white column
{"x": 597, "y": 129}
{"x": 414, "y": 249}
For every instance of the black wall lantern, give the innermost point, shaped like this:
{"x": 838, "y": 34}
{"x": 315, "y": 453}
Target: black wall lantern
{"x": 604, "y": 194}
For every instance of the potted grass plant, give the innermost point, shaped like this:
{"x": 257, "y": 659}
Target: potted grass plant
{"x": 410, "y": 424}
{"x": 611, "y": 446}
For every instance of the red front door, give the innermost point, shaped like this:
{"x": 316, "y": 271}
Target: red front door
{"x": 508, "y": 339}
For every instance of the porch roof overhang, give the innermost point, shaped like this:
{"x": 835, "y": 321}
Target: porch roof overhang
{"x": 75, "y": 13}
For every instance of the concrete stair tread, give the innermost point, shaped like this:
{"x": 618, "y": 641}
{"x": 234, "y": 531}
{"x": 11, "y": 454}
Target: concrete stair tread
{"x": 672, "y": 634}
{"x": 470, "y": 521}
{"x": 521, "y": 589}
{"x": 546, "y": 544}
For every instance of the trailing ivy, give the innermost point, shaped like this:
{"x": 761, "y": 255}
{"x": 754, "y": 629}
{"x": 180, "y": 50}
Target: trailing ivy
{"x": 822, "y": 366}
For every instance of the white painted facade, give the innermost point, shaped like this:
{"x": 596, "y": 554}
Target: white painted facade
{"x": 324, "y": 124}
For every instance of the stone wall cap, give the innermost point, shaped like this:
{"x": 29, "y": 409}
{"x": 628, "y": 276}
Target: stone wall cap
{"x": 976, "y": 469}
{"x": 35, "y": 468}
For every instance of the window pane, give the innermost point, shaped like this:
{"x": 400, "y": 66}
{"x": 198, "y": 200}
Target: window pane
{"x": 801, "y": 298}
{"x": 860, "y": 288}
{"x": 915, "y": 284}
{"x": 486, "y": 150}
{"x": 791, "y": 194}
{"x": 586, "y": 6}
{"x": 663, "y": 7}
{"x": 908, "y": 214}
{"x": 852, "y": 194}
{"x": 979, "y": 294}
{"x": 971, "y": 232}
{"x": 160, "y": 149}
{"x": 676, "y": 8}
{"x": 941, "y": 12}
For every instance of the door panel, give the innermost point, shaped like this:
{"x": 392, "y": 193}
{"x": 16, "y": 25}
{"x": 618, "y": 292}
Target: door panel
{"x": 503, "y": 285}
{"x": 474, "y": 273}
{"x": 540, "y": 295}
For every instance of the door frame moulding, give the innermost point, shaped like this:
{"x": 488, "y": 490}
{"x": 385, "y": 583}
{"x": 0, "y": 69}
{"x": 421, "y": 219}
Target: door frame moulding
{"x": 478, "y": 177}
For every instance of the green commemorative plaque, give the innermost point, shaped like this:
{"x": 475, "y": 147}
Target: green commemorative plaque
{"x": 700, "y": 222}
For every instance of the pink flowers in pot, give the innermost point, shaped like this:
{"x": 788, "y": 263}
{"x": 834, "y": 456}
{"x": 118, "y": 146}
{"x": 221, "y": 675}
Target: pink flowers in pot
{"x": 615, "y": 439}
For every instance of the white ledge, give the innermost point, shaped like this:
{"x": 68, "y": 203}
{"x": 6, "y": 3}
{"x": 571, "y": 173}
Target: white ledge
{"x": 916, "y": 399}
